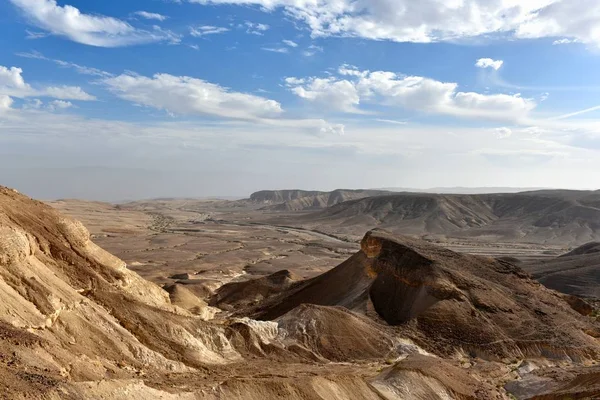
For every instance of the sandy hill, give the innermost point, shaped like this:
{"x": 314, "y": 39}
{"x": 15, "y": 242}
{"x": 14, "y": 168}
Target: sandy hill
{"x": 298, "y": 200}
{"x": 549, "y": 216}
{"x": 80, "y": 314}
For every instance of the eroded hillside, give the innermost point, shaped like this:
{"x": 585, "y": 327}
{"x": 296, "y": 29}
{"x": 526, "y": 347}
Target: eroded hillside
{"x": 399, "y": 319}
{"x": 567, "y": 218}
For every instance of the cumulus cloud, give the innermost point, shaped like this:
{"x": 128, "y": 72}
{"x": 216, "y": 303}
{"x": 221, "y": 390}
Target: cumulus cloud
{"x": 59, "y": 105}
{"x": 93, "y": 30}
{"x": 434, "y": 20}
{"x": 190, "y": 96}
{"x": 5, "y": 102}
{"x": 13, "y": 84}
{"x": 339, "y": 94}
{"x": 11, "y": 77}
{"x": 207, "y": 30}
{"x": 33, "y": 104}
{"x": 569, "y": 19}
{"x": 354, "y": 87}
{"x": 489, "y": 63}
{"x": 150, "y": 15}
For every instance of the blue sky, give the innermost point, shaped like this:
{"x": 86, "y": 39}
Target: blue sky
{"x": 113, "y": 100}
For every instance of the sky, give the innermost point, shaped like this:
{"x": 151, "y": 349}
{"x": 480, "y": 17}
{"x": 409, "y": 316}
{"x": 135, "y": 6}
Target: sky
{"x": 117, "y": 100}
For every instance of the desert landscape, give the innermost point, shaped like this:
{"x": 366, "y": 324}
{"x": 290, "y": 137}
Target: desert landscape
{"x": 279, "y": 296}
{"x": 299, "y": 200}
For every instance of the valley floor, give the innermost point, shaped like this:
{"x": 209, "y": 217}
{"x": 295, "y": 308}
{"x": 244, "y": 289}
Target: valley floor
{"x": 209, "y": 241}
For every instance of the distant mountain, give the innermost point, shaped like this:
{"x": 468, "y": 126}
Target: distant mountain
{"x": 561, "y": 217}
{"x": 466, "y": 190}
{"x": 298, "y": 200}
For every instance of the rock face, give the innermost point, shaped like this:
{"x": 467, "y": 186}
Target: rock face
{"x": 448, "y": 302}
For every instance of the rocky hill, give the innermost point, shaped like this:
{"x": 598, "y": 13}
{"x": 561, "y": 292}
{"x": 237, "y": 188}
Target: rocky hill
{"x": 553, "y": 217}
{"x": 446, "y": 302}
{"x": 298, "y": 200}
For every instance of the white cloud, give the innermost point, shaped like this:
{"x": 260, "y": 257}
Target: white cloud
{"x": 391, "y": 121}
{"x": 150, "y": 15}
{"x": 339, "y": 94}
{"x": 290, "y": 43}
{"x": 489, "y": 63}
{"x": 67, "y": 93}
{"x": 534, "y": 131}
{"x": 188, "y": 96}
{"x": 207, "y": 30}
{"x": 81, "y": 69}
{"x": 5, "y": 102}
{"x": 59, "y": 105}
{"x": 434, "y": 20}
{"x": 503, "y": 132}
{"x": 254, "y": 28}
{"x": 569, "y": 19}
{"x": 282, "y": 50}
{"x": 351, "y": 70}
{"x": 11, "y": 77}
{"x": 407, "y": 92}
{"x": 35, "y": 35}
{"x": 93, "y": 30}
{"x": 564, "y": 41}
{"x": 312, "y": 50}
{"x": 33, "y": 104}
{"x": 13, "y": 84}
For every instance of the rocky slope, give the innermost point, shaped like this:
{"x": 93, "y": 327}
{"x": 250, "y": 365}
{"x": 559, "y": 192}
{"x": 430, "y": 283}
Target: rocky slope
{"x": 72, "y": 314}
{"x": 299, "y": 200}
{"x": 553, "y": 217}
{"x": 576, "y": 272}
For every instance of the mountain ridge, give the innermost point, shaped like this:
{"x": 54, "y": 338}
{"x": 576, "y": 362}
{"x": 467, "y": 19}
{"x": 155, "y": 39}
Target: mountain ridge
{"x": 557, "y": 216}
